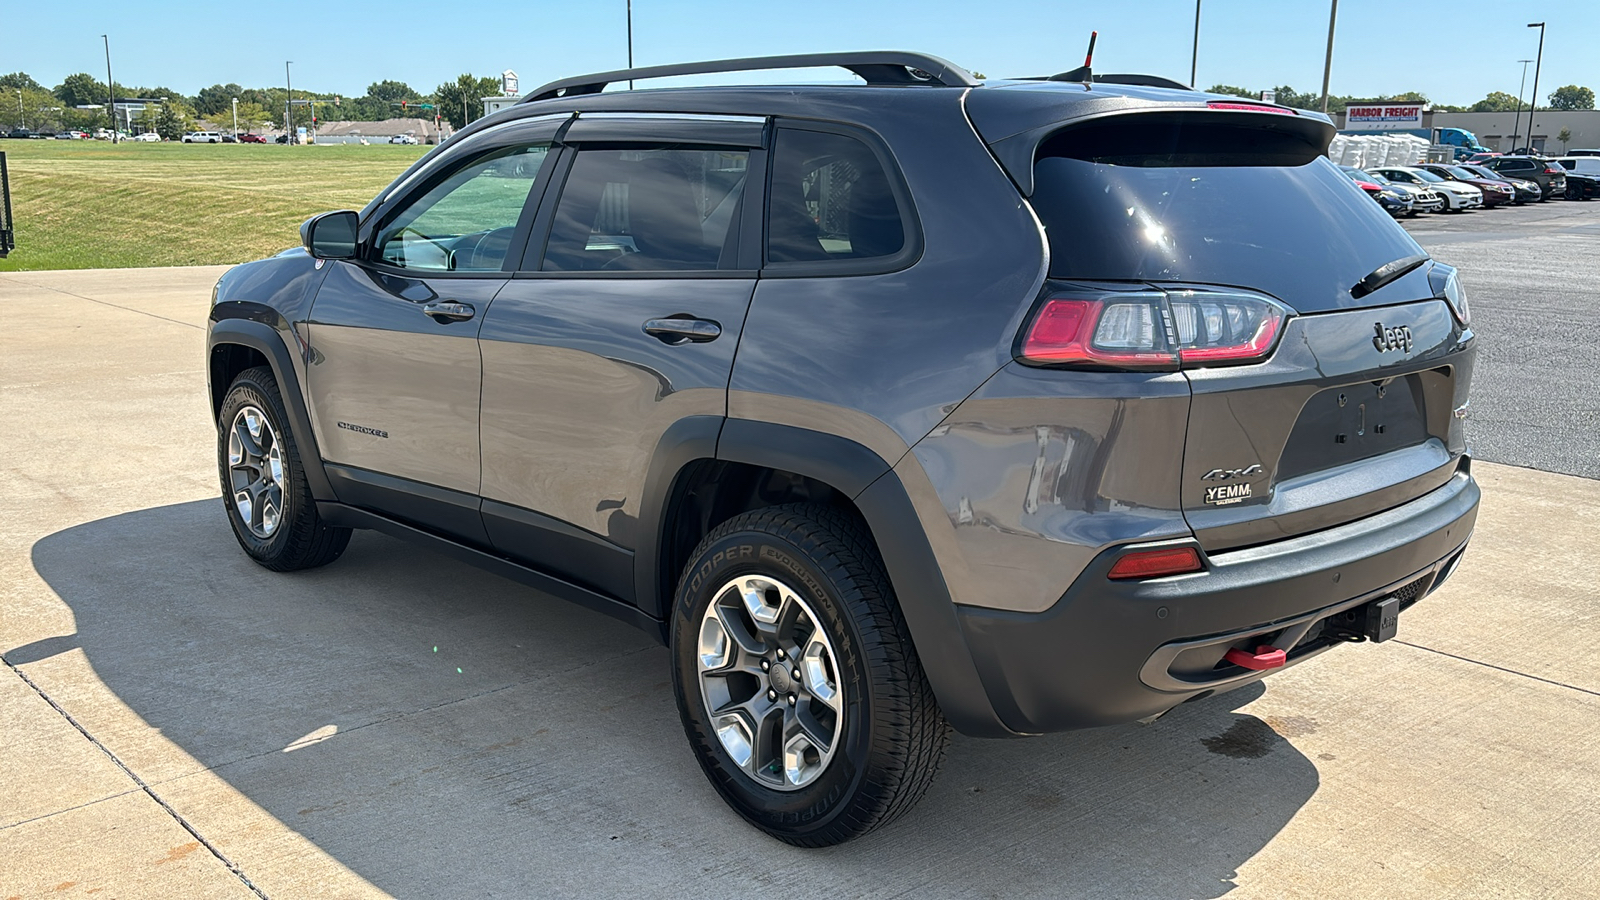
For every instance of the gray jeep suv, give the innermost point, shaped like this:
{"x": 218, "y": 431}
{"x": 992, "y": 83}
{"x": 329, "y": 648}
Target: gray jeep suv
{"x": 1016, "y": 406}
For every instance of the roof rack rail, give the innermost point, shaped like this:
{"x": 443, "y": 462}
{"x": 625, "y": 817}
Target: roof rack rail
{"x": 876, "y": 66}
{"x": 1077, "y": 75}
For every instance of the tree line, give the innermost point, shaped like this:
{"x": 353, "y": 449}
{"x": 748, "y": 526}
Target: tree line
{"x": 458, "y": 102}
{"x": 25, "y": 102}
{"x": 1571, "y": 96}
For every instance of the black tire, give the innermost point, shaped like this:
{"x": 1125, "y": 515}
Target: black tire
{"x": 893, "y": 736}
{"x": 301, "y": 539}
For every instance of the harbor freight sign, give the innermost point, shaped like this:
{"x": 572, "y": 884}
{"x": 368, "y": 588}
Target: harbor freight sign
{"x": 1384, "y": 117}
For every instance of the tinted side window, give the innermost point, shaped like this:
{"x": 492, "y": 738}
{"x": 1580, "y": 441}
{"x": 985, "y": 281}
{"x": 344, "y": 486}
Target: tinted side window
{"x": 662, "y": 208}
{"x": 831, "y": 200}
{"x": 464, "y": 223}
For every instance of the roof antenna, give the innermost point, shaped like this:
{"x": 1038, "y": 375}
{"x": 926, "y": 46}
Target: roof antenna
{"x": 1083, "y": 73}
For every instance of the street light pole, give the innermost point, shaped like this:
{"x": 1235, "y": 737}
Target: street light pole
{"x": 236, "y": 118}
{"x": 1194, "y": 56}
{"x": 630, "y": 41}
{"x": 1516, "y": 123}
{"x": 288, "y": 105}
{"x": 111, "y": 92}
{"x": 22, "y": 119}
{"x": 1327, "y": 67}
{"x": 1533, "y": 101}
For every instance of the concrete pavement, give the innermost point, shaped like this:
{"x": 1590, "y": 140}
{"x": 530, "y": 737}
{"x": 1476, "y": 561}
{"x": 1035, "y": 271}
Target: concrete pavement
{"x": 180, "y": 722}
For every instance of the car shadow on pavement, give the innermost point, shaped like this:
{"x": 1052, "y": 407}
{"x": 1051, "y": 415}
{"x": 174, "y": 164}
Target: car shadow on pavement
{"x": 441, "y": 731}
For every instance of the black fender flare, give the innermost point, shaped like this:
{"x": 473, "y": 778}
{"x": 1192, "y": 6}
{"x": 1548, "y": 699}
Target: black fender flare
{"x": 243, "y": 326}
{"x": 871, "y": 483}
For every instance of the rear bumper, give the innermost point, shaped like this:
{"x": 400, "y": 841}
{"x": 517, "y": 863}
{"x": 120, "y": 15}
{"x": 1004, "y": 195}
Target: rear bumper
{"x": 1113, "y": 652}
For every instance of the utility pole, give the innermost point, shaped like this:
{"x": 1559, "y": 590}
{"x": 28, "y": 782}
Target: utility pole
{"x": 1533, "y": 101}
{"x": 1194, "y": 57}
{"x": 630, "y": 41}
{"x": 1327, "y": 67}
{"x": 1516, "y": 124}
{"x": 288, "y": 105}
{"x": 111, "y": 92}
{"x": 236, "y": 118}
{"x": 22, "y": 120}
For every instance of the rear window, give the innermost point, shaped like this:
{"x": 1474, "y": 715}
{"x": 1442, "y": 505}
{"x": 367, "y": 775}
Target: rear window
{"x": 1175, "y": 202}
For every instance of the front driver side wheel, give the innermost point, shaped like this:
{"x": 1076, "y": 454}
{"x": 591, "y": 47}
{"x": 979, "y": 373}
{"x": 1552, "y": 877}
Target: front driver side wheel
{"x": 264, "y": 489}
{"x": 800, "y": 691}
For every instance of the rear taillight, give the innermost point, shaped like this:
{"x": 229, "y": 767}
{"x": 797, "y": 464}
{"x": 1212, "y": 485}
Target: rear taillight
{"x": 1447, "y": 284}
{"x": 1125, "y": 331}
{"x": 1153, "y": 329}
{"x": 1553, "y": 170}
{"x": 1156, "y": 563}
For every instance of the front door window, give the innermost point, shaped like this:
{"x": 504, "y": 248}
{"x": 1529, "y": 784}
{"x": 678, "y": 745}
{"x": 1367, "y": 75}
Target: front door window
{"x": 465, "y": 222}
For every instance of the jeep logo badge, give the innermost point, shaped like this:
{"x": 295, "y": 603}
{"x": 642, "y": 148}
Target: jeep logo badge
{"x": 1397, "y": 338}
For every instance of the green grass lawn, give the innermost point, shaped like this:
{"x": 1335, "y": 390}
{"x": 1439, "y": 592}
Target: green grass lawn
{"x": 92, "y": 204}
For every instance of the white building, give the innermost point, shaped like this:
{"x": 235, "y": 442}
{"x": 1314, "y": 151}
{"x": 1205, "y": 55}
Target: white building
{"x": 1503, "y": 131}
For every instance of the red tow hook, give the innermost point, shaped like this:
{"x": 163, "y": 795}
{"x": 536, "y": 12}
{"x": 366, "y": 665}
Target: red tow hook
{"x": 1265, "y": 657}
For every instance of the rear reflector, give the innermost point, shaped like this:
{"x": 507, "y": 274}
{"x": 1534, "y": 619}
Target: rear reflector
{"x": 1251, "y": 107}
{"x": 1156, "y": 563}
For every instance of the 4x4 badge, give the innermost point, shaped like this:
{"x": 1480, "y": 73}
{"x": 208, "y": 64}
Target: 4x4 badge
{"x": 1225, "y": 474}
{"x": 1396, "y": 338}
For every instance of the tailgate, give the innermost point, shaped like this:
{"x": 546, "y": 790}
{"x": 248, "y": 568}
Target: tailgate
{"x": 1354, "y": 414}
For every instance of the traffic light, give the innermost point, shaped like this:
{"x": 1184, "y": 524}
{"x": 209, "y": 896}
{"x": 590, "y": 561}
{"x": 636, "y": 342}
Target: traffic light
{"x": 402, "y": 104}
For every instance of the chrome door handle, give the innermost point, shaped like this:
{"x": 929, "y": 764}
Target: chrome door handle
{"x": 682, "y": 330}
{"x": 446, "y": 311}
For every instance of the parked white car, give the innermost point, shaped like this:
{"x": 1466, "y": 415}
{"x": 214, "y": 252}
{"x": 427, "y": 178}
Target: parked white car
{"x": 1456, "y": 196}
{"x": 203, "y": 137}
{"x": 403, "y": 139}
{"x": 148, "y": 136}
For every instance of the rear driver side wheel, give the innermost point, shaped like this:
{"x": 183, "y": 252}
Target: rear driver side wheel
{"x": 800, "y": 691}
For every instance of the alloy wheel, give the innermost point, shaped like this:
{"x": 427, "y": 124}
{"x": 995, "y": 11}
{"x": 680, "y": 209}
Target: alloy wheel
{"x": 255, "y": 472}
{"x": 770, "y": 683}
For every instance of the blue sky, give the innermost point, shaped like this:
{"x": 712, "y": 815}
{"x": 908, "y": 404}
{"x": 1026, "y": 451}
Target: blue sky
{"x": 1454, "y": 53}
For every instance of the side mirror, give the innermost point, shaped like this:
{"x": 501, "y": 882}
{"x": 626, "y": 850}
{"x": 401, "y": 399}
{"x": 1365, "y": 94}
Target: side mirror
{"x": 331, "y": 235}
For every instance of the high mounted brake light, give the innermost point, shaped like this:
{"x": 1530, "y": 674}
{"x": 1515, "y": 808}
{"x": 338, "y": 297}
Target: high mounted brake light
{"x": 1158, "y": 330}
{"x": 1251, "y": 107}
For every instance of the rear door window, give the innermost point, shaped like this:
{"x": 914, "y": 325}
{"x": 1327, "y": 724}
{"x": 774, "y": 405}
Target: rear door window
{"x": 832, "y": 201}
{"x": 647, "y": 208}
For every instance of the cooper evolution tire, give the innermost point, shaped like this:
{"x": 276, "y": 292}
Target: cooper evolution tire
{"x": 799, "y": 688}
{"x": 264, "y": 491}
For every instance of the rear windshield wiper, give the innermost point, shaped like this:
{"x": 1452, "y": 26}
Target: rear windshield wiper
{"x": 1389, "y": 271}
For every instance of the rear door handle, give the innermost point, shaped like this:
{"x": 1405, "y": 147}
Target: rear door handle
{"x": 682, "y": 330}
{"x": 446, "y": 311}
